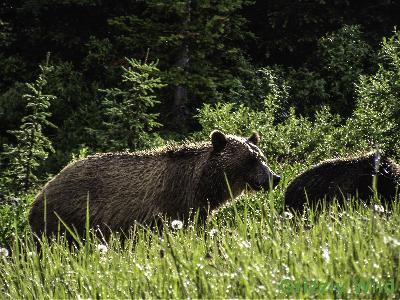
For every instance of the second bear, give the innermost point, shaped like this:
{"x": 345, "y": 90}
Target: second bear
{"x": 343, "y": 177}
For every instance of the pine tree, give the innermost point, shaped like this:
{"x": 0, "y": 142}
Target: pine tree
{"x": 32, "y": 146}
{"x": 197, "y": 44}
{"x": 128, "y": 119}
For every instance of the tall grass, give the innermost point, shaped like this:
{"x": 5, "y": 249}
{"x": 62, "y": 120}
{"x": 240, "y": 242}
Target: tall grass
{"x": 247, "y": 250}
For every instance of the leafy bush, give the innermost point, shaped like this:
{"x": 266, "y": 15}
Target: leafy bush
{"x": 376, "y": 118}
{"x": 308, "y": 89}
{"x": 343, "y": 56}
{"x": 13, "y": 218}
{"x": 285, "y": 136}
{"x": 289, "y": 137}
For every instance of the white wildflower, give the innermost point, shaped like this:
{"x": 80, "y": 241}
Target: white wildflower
{"x": 176, "y": 224}
{"x": 245, "y": 244}
{"x": 287, "y": 215}
{"x": 102, "y": 249}
{"x": 212, "y": 232}
{"x": 325, "y": 254}
{"x": 3, "y": 252}
{"x": 379, "y": 208}
{"x": 391, "y": 240}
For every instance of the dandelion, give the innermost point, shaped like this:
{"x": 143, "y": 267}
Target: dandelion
{"x": 176, "y": 224}
{"x": 102, "y": 249}
{"x": 212, "y": 232}
{"x": 287, "y": 215}
{"x": 3, "y": 252}
{"x": 379, "y": 208}
{"x": 325, "y": 254}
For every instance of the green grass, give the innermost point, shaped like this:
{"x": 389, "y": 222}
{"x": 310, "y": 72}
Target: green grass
{"x": 248, "y": 250}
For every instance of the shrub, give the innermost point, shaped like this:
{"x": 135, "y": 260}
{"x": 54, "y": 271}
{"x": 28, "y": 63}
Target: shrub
{"x": 376, "y": 118}
{"x": 285, "y": 136}
{"x": 13, "y": 218}
{"x": 343, "y": 56}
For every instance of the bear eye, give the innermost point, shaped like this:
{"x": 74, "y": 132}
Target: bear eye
{"x": 254, "y": 158}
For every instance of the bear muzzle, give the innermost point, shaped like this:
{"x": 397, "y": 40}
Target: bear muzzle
{"x": 267, "y": 180}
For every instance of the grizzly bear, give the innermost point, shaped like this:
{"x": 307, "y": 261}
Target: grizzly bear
{"x": 343, "y": 177}
{"x": 173, "y": 183}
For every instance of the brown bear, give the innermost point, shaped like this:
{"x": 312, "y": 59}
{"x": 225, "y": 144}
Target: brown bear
{"x": 342, "y": 177}
{"x": 173, "y": 183}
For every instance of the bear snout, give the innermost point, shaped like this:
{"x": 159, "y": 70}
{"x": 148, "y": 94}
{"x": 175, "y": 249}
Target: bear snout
{"x": 268, "y": 179}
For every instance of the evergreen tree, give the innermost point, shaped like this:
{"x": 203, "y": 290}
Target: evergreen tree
{"x": 198, "y": 44}
{"x": 32, "y": 146}
{"x": 128, "y": 119}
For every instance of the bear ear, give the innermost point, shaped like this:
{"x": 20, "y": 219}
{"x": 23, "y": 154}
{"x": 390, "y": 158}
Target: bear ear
{"x": 254, "y": 138}
{"x": 218, "y": 140}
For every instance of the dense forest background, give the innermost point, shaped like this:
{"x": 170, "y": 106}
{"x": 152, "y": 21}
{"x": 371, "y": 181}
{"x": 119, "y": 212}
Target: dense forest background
{"x": 314, "y": 77}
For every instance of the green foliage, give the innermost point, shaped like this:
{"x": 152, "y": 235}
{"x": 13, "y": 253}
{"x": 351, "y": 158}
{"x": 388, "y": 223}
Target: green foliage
{"x": 344, "y": 55}
{"x": 4, "y": 32}
{"x": 285, "y": 136}
{"x": 376, "y": 118}
{"x": 11, "y": 110}
{"x": 287, "y": 30}
{"x": 209, "y": 52}
{"x": 308, "y": 89}
{"x": 288, "y": 136}
{"x": 197, "y": 44}
{"x": 14, "y": 218}
{"x": 127, "y": 109}
{"x": 32, "y": 146}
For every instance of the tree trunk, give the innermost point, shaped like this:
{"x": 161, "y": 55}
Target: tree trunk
{"x": 180, "y": 112}
{"x": 27, "y": 182}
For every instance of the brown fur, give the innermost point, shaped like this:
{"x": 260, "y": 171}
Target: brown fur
{"x": 124, "y": 188}
{"x": 342, "y": 177}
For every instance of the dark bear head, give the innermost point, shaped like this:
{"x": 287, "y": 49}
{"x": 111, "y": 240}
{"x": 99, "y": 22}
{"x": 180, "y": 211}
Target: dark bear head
{"x": 359, "y": 173}
{"x": 242, "y": 161}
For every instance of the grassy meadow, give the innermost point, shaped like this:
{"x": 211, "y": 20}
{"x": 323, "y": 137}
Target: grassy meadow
{"x": 248, "y": 250}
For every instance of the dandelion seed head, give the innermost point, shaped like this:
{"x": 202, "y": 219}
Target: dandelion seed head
{"x": 102, "y": 249}
{"x": 177, "y": 224}
{"x": 3, "y": 252}
{"x": 287, "y": 215}
{"x": 379, "y": 208}
{"x": 213, "y": 232}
